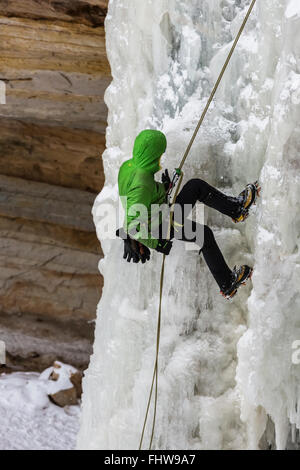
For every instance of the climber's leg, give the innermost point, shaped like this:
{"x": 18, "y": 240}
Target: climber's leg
{"x": 214, "y": 259}
{"x": 211, "y": 252}
{"x": 198, "y": 190}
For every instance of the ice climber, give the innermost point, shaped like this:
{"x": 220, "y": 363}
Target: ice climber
{"x": 142, "y": 196}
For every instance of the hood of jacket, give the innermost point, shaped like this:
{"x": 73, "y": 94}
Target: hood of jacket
{"x": 148, "y": 148}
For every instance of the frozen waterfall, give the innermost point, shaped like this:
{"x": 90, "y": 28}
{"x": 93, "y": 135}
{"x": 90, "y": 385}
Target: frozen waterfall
{"x": 229, "y": 373}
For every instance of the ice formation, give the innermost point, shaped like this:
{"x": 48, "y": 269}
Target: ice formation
{"x": 229, "y": 373}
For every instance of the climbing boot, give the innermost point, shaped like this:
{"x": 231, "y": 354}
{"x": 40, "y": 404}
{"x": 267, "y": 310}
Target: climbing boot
{"x": 248, "y": 198}
{"x": 239, "y": 277}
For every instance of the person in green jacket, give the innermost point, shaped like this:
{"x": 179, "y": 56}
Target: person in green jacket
{"x": 145, "y": 222}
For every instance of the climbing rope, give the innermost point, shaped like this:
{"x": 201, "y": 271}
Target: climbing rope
{"x": 215, "y": 88}
{"x": 155, "y": 377}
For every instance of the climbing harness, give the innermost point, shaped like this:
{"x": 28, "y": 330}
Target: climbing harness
{"x": 173, "y": 182}
{"x": 177, "y": 179}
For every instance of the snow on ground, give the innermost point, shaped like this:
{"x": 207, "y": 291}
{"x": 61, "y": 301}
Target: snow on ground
{"x": 29, "y": 421}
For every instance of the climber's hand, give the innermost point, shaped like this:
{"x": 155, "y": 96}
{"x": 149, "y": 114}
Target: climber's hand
{"x": 130, "y": 252}
{"x": 144, "y": 253}
{"x": 165, "y": 178}
{"x": 133, "y": 250}
{"x": 164, "y": 246}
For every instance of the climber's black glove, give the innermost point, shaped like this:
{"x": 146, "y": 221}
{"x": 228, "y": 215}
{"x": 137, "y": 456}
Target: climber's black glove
{"x": 144, "y": 253}
{"x": 130, "y": 252}
{"x": 165, "y": 178}
{"x": 133, "y": 250}
{"x": 164, "y": 246}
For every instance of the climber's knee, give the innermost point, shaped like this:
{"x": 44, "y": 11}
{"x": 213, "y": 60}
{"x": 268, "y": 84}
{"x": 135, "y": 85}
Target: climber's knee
{"x": 196, "y": 183}
{"x": 199, "y": 188}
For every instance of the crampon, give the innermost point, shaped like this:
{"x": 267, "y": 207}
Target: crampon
{"x": 248, "y": 198}
{"x": 239, "y": 277}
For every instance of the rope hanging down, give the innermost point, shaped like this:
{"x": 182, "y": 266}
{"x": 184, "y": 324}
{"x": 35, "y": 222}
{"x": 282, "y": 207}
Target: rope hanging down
{"x": 155, "y": 371}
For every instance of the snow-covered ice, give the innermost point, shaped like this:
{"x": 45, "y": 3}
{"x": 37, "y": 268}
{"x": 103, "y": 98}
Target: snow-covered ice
{"x": 226, "y": 375}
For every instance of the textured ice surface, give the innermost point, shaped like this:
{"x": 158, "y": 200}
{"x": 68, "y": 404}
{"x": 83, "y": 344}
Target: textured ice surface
{"x": 226, "y": 375}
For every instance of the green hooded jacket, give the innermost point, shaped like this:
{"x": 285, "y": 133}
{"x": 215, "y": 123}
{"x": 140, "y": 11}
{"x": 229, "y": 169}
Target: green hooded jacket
{"x": 137, "y": 186}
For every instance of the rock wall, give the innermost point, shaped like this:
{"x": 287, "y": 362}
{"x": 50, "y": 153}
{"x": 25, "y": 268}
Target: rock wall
{"x": 52, "y": 135}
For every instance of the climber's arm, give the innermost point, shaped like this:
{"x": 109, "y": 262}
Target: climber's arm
{"x": 138, "y": 215}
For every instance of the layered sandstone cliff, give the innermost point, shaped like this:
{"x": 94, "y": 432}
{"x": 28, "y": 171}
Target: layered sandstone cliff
{"x": 52, "y": 135}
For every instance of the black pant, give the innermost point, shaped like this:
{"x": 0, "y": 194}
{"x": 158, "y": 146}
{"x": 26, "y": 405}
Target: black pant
{"x": 198, "y": 190}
